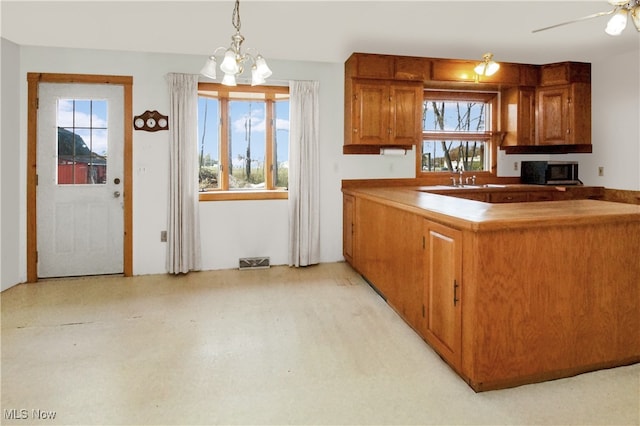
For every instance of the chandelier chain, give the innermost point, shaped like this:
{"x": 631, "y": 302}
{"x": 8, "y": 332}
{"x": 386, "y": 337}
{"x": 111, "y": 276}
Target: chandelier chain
{"x": 235, "y": 19}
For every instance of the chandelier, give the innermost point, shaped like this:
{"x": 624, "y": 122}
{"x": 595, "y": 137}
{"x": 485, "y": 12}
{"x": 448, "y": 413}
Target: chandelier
{"x": 618, "y": 22}
{"x": 487, "y": 67}
{"x": 234, "y": 59}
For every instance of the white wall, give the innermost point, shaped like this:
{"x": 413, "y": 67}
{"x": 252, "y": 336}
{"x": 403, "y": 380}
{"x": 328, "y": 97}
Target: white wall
{"x": 11, "y": 168}
{"x": 616, "y": 117}
{"x": 229, "y": 229}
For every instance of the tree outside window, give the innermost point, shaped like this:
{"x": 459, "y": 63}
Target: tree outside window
{"x": 457, "y": 130}
{"x": 243, "y": 135}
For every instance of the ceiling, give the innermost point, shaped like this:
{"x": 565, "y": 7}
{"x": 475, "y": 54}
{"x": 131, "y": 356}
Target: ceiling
{"x": 326, "y": 31}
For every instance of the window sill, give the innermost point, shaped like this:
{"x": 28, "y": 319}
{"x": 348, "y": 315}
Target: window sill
{"x": 243, "y": 195}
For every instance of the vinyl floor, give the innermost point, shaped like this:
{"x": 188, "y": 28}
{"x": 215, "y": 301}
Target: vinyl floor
{"x": 274, "y": 346}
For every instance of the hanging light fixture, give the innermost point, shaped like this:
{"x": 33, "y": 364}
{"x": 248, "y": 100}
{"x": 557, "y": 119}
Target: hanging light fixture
{"x": 618, "y": 22}
{"x": 487, "y": 67}
{"x": 233, "y": 61}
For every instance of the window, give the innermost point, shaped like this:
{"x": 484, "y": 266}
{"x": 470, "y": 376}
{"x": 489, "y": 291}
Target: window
{"x": 457, "y": 132}
{"x": 82, "y": 141}
{"x": 243, "y": 136}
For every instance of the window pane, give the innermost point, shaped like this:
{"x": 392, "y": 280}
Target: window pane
{"x": 281, "y": 145}
{"x": 82, "y": 141}
{"x": 247, "y": 144}
{"x": 209, "y": 153}
{"x": 447, "y": 155}
{"x": 454, "y": 116}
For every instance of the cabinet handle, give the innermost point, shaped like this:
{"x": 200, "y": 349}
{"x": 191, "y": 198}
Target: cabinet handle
{"x": 455, "y": 292}
{"x": 355, "y": 130}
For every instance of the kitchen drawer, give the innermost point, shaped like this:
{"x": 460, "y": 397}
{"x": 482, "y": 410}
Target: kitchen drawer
{"x": 508, "y": 197}
{"x": 475, "y": 196}
{"x": 541, "y": 196}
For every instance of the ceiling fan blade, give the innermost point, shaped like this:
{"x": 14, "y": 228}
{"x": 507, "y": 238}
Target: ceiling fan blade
{"x": 584, "y": 18}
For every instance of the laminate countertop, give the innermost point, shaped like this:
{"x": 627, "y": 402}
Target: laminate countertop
{"x": 440, "y": 204}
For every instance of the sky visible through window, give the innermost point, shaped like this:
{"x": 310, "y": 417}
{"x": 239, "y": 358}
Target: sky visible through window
{"x": 241, "y": 113}
{"x": 86, "y": 118}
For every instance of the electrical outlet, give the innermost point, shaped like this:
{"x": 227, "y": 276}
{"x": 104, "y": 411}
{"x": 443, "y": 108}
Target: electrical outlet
{"x": 515, "y": 166}
{"x": 601, "y": 171}
{"x": 163, "y": 236}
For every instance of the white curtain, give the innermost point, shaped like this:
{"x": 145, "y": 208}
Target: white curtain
{"x": 183, "y": 228}
{"x": 304, "y": 180}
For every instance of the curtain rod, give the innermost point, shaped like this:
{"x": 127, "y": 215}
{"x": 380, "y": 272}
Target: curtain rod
{"x": 242, "y": 80}
{"x": 247, "y": 81}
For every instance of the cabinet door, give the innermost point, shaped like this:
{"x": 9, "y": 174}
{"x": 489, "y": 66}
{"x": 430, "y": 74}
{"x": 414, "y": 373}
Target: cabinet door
{"x": 370, "y": 111}
{"x": 553, "y": 116}
{"x": 443, "y": 290}
{"x": 348, "y": 225}
{"x": 527, "y": 116}
{"x": 406, "y": 113}
{"x": 580, "y": 114}
{"x": 519, "y": 116}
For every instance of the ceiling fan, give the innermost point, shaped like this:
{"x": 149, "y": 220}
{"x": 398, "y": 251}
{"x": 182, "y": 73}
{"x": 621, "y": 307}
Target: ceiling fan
{"x": 617, "y": 23}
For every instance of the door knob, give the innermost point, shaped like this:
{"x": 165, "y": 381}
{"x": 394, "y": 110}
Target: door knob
{"x": 116, "y": 194}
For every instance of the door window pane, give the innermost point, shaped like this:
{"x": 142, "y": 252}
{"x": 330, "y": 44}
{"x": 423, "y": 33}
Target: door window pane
{"x": 82, "y": 141}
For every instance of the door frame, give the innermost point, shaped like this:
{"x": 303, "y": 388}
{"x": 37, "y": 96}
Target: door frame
{"x": 33, "y": 81}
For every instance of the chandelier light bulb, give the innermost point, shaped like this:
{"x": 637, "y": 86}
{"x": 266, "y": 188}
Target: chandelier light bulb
{"x": 229, "y": 79}
{"x": 229, "y": 64}
{"x": 488, "y": 66}
{"x": 617, "y": 23}
{"x": 256, "y": 77}
{"x": 262, "y": 67}
{"x": 209, "y": 69}
{"x": 480, "y": 68}
{"x": 492, "y": 68}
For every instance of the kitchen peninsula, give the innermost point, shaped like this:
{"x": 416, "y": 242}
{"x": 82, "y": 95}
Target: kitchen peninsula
{"x": 507, "y": 293}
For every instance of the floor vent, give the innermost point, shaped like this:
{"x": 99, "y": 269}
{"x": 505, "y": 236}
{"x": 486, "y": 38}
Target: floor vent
{"x": 254, "y": 262}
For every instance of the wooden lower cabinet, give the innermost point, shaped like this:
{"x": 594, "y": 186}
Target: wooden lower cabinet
{"x": 348, "y": 226}
{"x": 443, "y": 290}
{"x": 506, "y": 306}
{"x": 388, "y": 254}
{"x": 549, "y": 302}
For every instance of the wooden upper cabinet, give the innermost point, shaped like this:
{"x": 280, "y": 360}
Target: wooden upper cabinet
{"x": 454, "y": 70}
{"x": 388, "y": 67}
{"x": 544, "y": 108}
{"x": 384, "y": 113}
{"x": 564, "y": 115}
{"x": 564, "y": 104}
{"x": 565, "y": 73}
{"x": 519, "y": 116}
{"x": 366, "y": 65}
{"x": 412, "y": 68}
{"x": 370, "y": 111}
{"x": 406, "y": 100}
{"x": 553, "y": 119}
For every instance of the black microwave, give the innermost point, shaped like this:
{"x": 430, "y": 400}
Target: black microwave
{"x": 549, "y": 173}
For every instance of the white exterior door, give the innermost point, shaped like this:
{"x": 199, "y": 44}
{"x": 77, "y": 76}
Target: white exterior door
{"x": 80, "y": 151}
